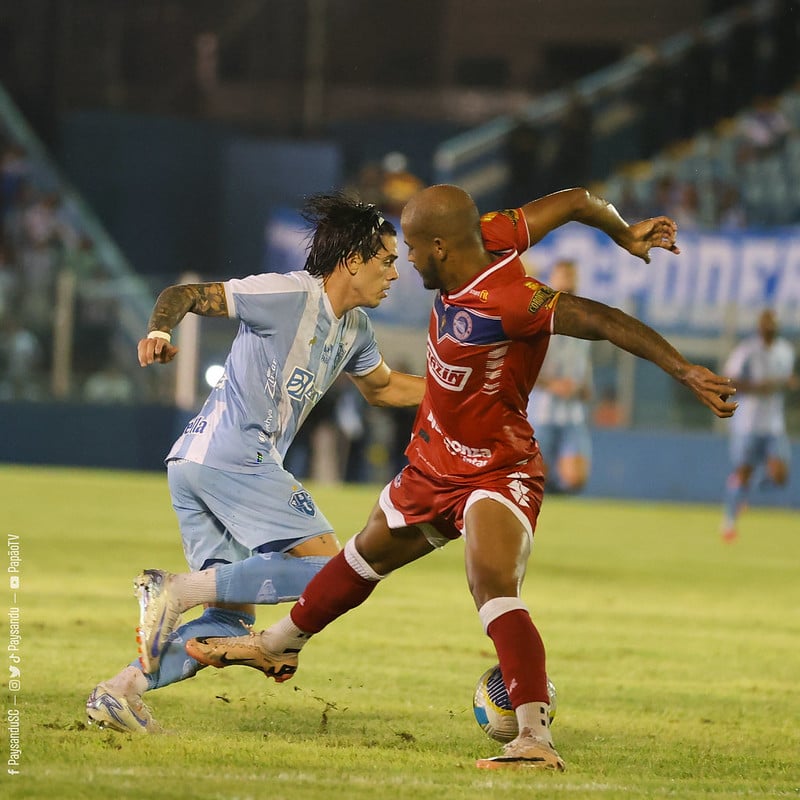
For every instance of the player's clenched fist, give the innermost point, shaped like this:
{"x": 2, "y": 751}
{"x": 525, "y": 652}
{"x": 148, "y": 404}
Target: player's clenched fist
{"x": 153, "y": 350}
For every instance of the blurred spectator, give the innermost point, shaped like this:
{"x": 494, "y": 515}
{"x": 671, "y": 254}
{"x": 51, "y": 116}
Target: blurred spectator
{"x": 13, "y": 171}
{"x": 313, "y": 453}
{"x": 608, "y": 411}
{"x": 20, "y": 362}
{"x": 763, "y": 129}
{"x": 762, "y": 368}
{"x": 730, "y": 211}
{"x": 398, "y": 185}
{"x": 368, "y": 184}
{"x": 46, "y": 236}
{"x": 96, "y": 318}
{"x": 9, "y": 281}
{"x": 628, "y": 201}
{"x": 557, "y": 407}
{"x": 388, "y": 185}
{"x": 108, "y": 385}
{"x": 350, "y": 414}
{"x": 686, "y": 211}
{"x": 402, "y": 422}
{"x": 664, "y": 197}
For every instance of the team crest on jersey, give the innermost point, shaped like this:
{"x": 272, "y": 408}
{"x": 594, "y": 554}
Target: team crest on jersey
{"x": 300, "y": 383}
{"x": 301, "y": 501}
{"x": 462, "y": 325}
{"x": 541, "y": 297}
{"x": 327, "y": 354}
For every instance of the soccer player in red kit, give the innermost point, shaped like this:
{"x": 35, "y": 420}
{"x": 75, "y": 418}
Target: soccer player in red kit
{"x": 474, "y": 466}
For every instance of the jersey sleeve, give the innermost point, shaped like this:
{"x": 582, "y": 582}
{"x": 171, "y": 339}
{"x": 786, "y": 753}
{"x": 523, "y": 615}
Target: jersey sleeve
{"x": 505, "y": 230}
{"x": 366, "y": 356}
{"x": 736, "y": 364}
{"x": 528, "y": 309}
{"x": 265, "y": 302}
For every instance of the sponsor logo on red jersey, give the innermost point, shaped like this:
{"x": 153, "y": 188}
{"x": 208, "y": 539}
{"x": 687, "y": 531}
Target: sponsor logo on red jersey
{"x": 447, "y": 375}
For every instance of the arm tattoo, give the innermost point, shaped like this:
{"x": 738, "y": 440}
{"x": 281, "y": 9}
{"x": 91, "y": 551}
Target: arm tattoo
{"x": 205, "y": 299}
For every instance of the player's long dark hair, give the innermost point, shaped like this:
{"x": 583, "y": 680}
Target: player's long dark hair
{"x": 342, "y": 227}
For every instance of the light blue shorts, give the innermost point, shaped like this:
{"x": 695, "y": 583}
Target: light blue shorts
{"x": 556, "y": 441}
{"x": 230, "y": 516}
{"x": 752, "y": 449}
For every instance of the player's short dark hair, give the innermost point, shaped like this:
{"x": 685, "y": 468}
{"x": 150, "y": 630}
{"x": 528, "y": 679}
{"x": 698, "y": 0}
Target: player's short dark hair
{"x": 342, "y": 227}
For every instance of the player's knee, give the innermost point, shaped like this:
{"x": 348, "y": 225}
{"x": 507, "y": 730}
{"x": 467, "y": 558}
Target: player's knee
{"x": 778, "y": 472}
{"x": 573, "y": 474}
{"x": 486, "y": 583}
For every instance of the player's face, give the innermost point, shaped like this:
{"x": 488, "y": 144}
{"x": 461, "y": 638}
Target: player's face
{"x": 564, "y": 277}
{"x": 373, "y": 278}
{"x": 768, "y": 325}
{"x": 420, "y": 254}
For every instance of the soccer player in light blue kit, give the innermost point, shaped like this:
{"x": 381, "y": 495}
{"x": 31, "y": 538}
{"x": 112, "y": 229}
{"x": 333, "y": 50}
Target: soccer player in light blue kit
{"x": 558, "y": 404}
{"x": 251, "y": 532}
{"x": 762, "y": 368}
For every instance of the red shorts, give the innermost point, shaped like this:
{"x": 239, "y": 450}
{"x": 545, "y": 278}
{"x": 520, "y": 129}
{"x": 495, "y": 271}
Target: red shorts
{"x": 414, "y": 498}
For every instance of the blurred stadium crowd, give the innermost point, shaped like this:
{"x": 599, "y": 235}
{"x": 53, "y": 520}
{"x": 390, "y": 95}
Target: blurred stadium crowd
{"x": 717, "y": 147}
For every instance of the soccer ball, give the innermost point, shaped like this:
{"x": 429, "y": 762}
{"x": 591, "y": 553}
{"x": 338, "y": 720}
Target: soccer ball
{"x": 492, "y": 708}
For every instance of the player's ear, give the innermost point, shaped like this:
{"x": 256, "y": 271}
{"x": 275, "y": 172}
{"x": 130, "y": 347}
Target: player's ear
{"x": 353, "y": 263}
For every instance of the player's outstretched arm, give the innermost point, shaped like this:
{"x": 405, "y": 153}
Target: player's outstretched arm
{"x": 172, "y": 305}
{"x": 587, "y": 319}
{"x": 580, "y": 205}
{"x": 386, "y": 387}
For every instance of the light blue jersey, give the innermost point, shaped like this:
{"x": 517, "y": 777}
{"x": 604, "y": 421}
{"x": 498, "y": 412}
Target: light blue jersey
{"x": 566, "y": 357}
{"x": 756, "y": 361}
{"x": 289, "y": 349}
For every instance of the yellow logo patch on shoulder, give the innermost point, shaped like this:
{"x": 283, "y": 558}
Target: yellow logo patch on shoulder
{"x": 511, "y": 213}
{"x": 541, "y": 297}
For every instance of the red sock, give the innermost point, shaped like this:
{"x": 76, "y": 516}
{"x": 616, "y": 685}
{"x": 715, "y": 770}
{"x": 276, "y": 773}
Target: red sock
{"x": 333, "y": 591}
{"x": 520, "y": 651}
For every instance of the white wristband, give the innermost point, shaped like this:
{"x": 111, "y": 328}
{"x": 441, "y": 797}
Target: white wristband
{"x": 159, "y": 335}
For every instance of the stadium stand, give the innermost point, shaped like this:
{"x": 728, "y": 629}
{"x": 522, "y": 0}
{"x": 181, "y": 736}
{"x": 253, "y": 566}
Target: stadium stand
{"x": 69, "y": 300}
{"x": 639, "y": 107}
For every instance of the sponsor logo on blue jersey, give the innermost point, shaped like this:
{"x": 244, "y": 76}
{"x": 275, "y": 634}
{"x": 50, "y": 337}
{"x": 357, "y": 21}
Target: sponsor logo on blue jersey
{"x": 300, "y": 383}
{"x": 301, "y": 501}
{"x": 196, "y": 425}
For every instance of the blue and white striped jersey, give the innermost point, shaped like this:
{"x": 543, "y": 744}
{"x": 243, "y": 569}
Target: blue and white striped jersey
{"x": 566, "y": 357}
{"x": 289, "y": 349}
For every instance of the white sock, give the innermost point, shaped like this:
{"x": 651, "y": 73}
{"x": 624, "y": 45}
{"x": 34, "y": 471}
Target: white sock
{"x": 130, "y": 681}
{"x": 284, "y": 635}
{"x": 194, "y": 588}
{"x": 535, "y": 716}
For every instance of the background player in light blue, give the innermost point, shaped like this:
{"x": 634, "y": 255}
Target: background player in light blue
{"x": 762, "y": 368}
{"x": 557, "y": 407}
{"x": 250, "y": 531}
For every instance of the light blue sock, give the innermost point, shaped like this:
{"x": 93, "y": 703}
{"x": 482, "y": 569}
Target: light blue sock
{"x": 175, "y": 664}
{"x": 267, "y": 578}
{"x": 735, "y": 496}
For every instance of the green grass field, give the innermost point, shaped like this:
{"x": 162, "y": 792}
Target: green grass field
{"x": 676, "y": 660}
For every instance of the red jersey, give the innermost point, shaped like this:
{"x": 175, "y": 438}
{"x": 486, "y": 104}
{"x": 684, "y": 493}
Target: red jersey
{"x": 486, "y": 344}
